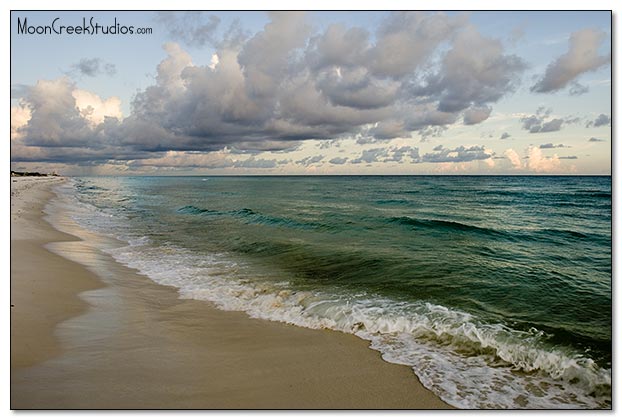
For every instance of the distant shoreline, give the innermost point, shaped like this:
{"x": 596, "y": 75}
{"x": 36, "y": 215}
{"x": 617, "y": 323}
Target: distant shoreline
{"x": 30, "y": 174}
{"x": 345, "y": 176}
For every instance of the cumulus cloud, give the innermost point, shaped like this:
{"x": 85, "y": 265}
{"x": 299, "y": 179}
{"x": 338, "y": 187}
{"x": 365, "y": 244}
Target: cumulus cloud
{"x": 475, "y": 71}
{"x": 92, "y": 67}
{"x": 356, "y": 88}
{"x": 55, "y": 119}
{"x": 505, "y": 135}
{"x": 338, "y": 160}
{"x": 192, "y": 28}
{"x": 537, "y": 162}
{"x": 419, "y": 72}
{"x": 552, "y": 146}
{"x": 310, "y": 160}
{"x": 388, "y": 129}
{"x": 255, "y": 163}
{"x": 405, "y": 151}
{"x": 388, "y": 154}
{"x": 55, "y": 122}
{"x": 582, "y": 57}
{"x": 459, "y": 154}
{"x": 431, "y": 131}
{"x": 371, "y": 155}
{"x": 601, "y": 120}
{"x": 568, "y": 157}
{"x": 327, "y": 144}
{"x": 547, "y": 127}
{"x": 170, "y": 159}
{"x": 595, "y": 140}
{"x": 537, "y": 123}
{"x": 20, "y": 115}
{"x": 406, "y": 40}
{"x": 572, "y": 120}
{"x": 514, "y": 158}
{"x": 476, "y": 115}
{"x": 95, "y": 109}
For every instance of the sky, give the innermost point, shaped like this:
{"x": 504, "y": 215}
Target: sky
{"x": 312, "y": 93}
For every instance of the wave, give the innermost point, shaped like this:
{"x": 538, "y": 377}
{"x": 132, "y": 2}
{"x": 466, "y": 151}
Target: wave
{"x": 85, "y": 187}
{"x": 574, "y": 234}
{"x": 449, "y": 350}
{"x": 442, "y": 225}
{"x": 551, "y": 235}
{"x": 467, "y": 361}
{"x": 400, "y": 202}
{"x": 252, "y": 217}
{"x": 195, "y": 210}
{"x": 566, "y": 198}
{"x": 600, "y": 194}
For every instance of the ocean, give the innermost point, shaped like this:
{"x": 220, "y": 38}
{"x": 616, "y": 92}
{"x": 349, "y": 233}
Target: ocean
{"x": 495, "y": 290}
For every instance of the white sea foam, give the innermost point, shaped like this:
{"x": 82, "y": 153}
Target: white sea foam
{"x": 468, "y": 363}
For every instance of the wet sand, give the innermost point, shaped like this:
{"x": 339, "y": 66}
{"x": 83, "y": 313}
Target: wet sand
{"x": 87, "y": 332}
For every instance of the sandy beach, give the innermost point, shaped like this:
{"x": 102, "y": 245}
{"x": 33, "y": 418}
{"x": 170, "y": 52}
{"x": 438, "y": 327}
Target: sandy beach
{"x": 87, "y": 332}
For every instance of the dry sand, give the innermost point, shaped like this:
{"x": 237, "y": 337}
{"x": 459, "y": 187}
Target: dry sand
{"x": 98, "y": 335}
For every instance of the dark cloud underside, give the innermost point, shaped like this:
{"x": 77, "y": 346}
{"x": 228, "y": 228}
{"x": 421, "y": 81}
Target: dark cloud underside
{"x": 418, "y": 73}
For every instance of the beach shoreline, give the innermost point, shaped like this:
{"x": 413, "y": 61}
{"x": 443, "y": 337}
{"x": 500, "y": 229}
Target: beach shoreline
{"x": 87, "y": 332}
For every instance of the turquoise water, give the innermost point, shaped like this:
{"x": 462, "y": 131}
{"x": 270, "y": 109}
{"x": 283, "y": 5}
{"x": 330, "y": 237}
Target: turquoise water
{"x": 496, "y": 290}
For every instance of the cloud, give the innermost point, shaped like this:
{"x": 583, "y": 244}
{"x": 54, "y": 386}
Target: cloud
{"x": 55, "y": 122}
{"x": 355, "y": 88}
{"x": 55, "y": 119}
{"x": 222, "y": 159}
{"x": 419, "y": 72}
{"x": 254, "y": 163}
{"x": 371, "y": 155}
{"x": 339, "y": 47}
{"x": 92, "y": 67}
{"x": 19, "y": 91}
{"x": 568, "y": 157}
{"x": 338, "y": 160}
{"x": 406, "y": 39}
{"x": 536, "y": 123}
{"x": 594, "y": 140}
{"x": 388, "y": 154}
{"x": 581, "y": 57}
{"x": 95, "y": 109}
{"x": 505, "y": 135}
{"x": 601, "y": 120}
{"x": 327, "y": 144}
{"x": 404, "y": 151}
{"x": 514, "y": 158}
{"x": 193, "y": 28}
{"x": 517, "y": 33}
{"x": 388, "y": 129}
{"x": 475, "y": 71}
{"x": 577, "y": 89}
{"x": 552, "y": 146}
{"x": 476, "y": 115}
{"x": 459, "y": 154}
{"x": 549, "y": 126}
{"x": 431, "y": 131}
{"x": 572, "y": 120}
{"x": 537, "y": 162}
{"x": 309, "y": 160}
{"x": 20, "y": 115}
{"x": 174, "y": 159}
